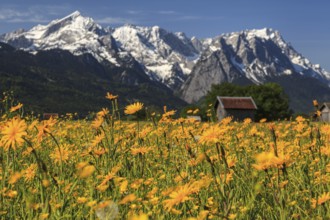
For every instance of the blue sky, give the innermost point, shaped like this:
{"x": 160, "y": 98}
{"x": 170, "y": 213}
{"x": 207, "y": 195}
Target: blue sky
{"x": 305, "y": 24}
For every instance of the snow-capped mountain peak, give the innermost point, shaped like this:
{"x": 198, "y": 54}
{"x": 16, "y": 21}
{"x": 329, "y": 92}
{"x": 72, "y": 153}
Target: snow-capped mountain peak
{"x": 265, "y": 33}
{"x": 75, "y": 33}
{"x": 250, "y": 56}
{"x": 73, "y": 15}
{"x": 166, "y": 56}
{"x": 172, "y": 58}
{"x": 74, "y": 24}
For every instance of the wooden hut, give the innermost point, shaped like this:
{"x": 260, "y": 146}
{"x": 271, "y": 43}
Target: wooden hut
{"x": 237, "y": 107}
{"x": 47, "y": 116}
{"x": 195, "y": 117}
{"x": 325, "y": 112}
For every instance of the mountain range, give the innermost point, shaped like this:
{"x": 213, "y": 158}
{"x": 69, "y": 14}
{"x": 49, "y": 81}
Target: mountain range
{"x": 133, "y": 60}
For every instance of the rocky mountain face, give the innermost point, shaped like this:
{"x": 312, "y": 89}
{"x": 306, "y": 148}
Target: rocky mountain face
{"x": 57, "y": 81}
{"x": 164, "y": 56}
{"x": 187, "y": 66}
{"x": 74, "y": 33}
{"x": 167, "y": 57}
{"x": 255, "y": 56}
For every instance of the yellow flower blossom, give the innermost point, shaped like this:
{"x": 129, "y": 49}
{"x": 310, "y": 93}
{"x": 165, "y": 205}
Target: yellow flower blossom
{"x": 111, "y": 96}
{"x": 15, "y": 108}
{"x": 127, "y": 199}
{"x": 140, "y": 150}
{"x": 44, "y": 216}
{"x": 139, "y": 217}
{"x": 13, "y": 133}
{"x": 82, "y": 200}
{"x": 180, "y": 195}
{"x": 323, "y": 198}
{"x": 133, "y": 108}
{"x": 30, "y": 172}
{"x": 14, "y": 177}
{"x": 87, "y": 171}
{"x": 11, "y": 193}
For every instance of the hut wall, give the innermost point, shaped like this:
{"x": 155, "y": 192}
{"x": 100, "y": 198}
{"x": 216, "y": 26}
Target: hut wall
{"x": 325, "y": 115}
{"x": 240, "y": 114}
{"x": 221, "y": 113}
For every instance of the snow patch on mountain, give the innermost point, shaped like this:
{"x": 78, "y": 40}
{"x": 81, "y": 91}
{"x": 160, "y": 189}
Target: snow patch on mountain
{"x": 301, "y": 64}
{"x": 251, "y": 55}
{"x": 74, "y": 33}
{"x": 166, "y": 56}
{"x": 170, "y": 57}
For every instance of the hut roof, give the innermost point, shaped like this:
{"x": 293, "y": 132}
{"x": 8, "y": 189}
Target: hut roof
{"x": 236, "y": 102}
{"x": 325, "y": 104}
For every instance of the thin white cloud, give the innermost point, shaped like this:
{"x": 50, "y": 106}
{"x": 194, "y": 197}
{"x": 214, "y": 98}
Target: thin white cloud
{"x": 29, "y": 20}
{"x": 11, "y": 13}
{"x": 33, "y": 14}
{"x": 202, "y": 18}
{"x": 15, "y": 16}
{"x": 148, "y": 12}
{"x": 188, "y": 17}
{"x": 115, "y": 20}
{"x": 134, "y": 12}
{"x": 51, "y": 9}
{"x": 166, "y": 12}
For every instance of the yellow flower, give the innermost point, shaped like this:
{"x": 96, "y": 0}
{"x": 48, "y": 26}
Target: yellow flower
{"x": 61, "y": 154}
{"x": 15, "y": 108}
{"x": 98, "y": 139}
{"x": 203, "y": 214}
{"x": 44, "y": 216}
{"x": 102, "y": 188}
{"x": 45, "y": 182}
{"x": 110, "y": 96}
{"x": 247, "y": 121}
{"x": 176, "y": 212}
{"x": 81, "y": 200}
{"x": 13, "y": 133}
{"x": 127, "y": 199}
{"x": 98, "y": 121}
{"x": 14, "y": 178}
{"x": 87, "y": 171}
{"x": 110, "y": 175}
{"x": 11, "y": 193}
{"x": 283, "y": 184}
{"x": 123, "y": 186}
{"x": 152, "y": 193}
{"x": 81, "y": 165}
{"x": 179, "y": 195}
{"x": 196, "y": 111}
{"x": 139, "y": 217}
{"x": 266, "y": 160}
{"x": 210, "y": 136}
{"x": 324, "y": 197}
{"x": 45, "y": 127}
{"x": 91, "y": 203}
{"x": 226, "y": 120}
{"x": 103, "y": 112}
{"x": 140, "y": 150}
{"x": 30, "y": 172}
{"x": 169, "y": 113}
{"x": 133, "y": 108}
{"x": 300, "y": 119}
{"x": 232, "y": 216}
